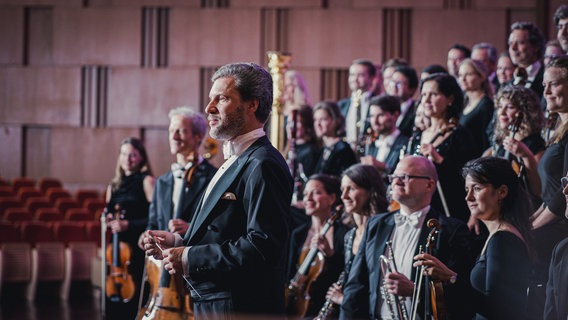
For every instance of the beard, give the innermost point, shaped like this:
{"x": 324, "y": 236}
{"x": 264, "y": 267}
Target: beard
{"x": 230, "y": 126}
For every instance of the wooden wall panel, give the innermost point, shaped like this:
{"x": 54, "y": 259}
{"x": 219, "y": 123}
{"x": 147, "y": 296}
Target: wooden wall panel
{"x": 104, "y": 36}
{"x": 214, "y": 37}
{"x": 158, "y": 149}
{"x": 11, "y": 141}
{"x": 333, "y": 38}
{"x": 430, "y": 44}
{"x": 142, "y": 97}
{"x": 39, "y": 24}
{"x": 140, "y": 3}
{"x": 11, "y": 35}
{"x": 503, "y": 4}
{"x": 40, "y": 95}
{"x": 275, "y": 3}
{"x": 398, "y": 4}
{"x": 86, "y": 155}
{"x": 37, "y": 149}
{"x": 62, "y": 3}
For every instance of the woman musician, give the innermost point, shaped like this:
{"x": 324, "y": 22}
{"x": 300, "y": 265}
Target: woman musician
{"x": 500, "y": 276}
{"x": 444, "y": 142}
{"x": 321, "y": 197}
{"x": 519, "y": 121}
{"x": 363, "y": 195}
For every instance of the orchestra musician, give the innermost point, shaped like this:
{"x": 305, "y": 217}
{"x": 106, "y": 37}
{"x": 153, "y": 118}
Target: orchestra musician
{"x": 233, "y": 254}
{"x": 413, "y": 185}
{"x": 444, "y": 142}
{"x": 321, "y": 197}
{"x": 526, "y": 146}
{"x": 177, "y": 192}
{"x": 549, "y": 224}
{"x": 384, "y": 145}
{"x": 131, "y": 189}
{"x": 329, "y": 125}
{"x": 363, "y": 194}
{"x": 500, "y": 277}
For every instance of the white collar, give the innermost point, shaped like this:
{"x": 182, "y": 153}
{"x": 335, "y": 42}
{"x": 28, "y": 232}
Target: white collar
{"x": 239, "y": 144}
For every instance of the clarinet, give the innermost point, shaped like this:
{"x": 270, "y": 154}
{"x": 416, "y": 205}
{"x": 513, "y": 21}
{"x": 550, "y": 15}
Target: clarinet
{"x": 328, "y": 308}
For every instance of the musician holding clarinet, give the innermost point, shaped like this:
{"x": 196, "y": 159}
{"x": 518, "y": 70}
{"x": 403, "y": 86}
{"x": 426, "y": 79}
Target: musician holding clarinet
{"x": 413, "y": 185}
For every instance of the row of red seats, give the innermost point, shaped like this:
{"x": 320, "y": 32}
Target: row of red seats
{"x": 33, "y": 232}
{"x": 22, "y": 201}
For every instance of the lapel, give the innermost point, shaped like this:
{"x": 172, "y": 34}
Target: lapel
{"x": 384, "y": 232}
{"x": 166, "y": 191}
{"x": 394, "y": 152}
{"x": 198, "y": 184}
{"x": 221, "y": 187}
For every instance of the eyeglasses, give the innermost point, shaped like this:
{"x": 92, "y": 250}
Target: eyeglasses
{"x": 406, "y": 177}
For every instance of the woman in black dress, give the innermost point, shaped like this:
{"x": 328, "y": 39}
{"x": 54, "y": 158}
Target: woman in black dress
{"x": 329, "y": 124}
{"x": 519, "y": 112}
{"x": 500, "y": 276}
{"x": 447, "y": 144}
{"x": 131, "y": 189}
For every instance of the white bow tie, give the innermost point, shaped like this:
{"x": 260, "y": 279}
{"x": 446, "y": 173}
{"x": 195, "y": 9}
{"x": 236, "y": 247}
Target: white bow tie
{"x": 400, "y": 219}
{"x": 228, "y": 149}
{"x": 178, "y": 169}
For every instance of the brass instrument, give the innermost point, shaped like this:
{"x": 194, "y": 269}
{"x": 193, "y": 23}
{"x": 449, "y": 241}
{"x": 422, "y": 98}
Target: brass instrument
{"x": 395, "y": 304}
{"x": 278, "y": 63}
{"x": 431, "y": 239}
{"x": 356, "y": 105}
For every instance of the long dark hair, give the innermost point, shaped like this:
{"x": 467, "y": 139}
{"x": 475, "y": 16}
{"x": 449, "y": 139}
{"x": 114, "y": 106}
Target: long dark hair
{"x": 368, "y": 178}
{"x": 143, "y": 167}
{"x": 516, "y": 206}
{"x": 331, "y": 185}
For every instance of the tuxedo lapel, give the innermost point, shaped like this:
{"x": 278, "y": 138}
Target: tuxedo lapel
{"x": 218, "y": 190}
{"x": 198, "y": 184}
{"x": 166, "y": 191}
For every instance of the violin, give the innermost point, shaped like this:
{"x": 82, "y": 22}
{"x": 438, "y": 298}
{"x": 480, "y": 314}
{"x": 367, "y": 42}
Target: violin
{"x": 168, "y": 297}
{"x": 119, "y": 284}
{"x": 312, "y": 262}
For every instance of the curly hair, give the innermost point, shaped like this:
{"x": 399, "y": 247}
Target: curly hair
{"x": 528, "y": 103}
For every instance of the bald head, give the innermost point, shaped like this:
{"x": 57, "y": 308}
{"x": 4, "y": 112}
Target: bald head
{"x": 415, "y": 182}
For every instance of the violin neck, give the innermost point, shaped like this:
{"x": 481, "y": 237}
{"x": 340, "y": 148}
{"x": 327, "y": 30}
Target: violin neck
{"x": 115, "y": 250}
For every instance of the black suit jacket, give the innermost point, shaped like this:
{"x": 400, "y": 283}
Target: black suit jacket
{"x": 556, "y": 306}
{"x": 345, "y": 104}
{"x": 394, "y": 154}
{"x": 238, "y": 239}
{"x": 407, "y": 123}
{"x": 362, "y": 290}
{"x": 161, "y": 208}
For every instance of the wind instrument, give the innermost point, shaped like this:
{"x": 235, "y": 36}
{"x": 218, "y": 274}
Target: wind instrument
{"x": 396, "y": 304}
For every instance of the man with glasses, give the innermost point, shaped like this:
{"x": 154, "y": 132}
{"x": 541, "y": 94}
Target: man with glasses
{"x": 413, "y": 183}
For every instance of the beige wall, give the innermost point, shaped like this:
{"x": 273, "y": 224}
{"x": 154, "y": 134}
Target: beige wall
{"x": 78, "y": 76}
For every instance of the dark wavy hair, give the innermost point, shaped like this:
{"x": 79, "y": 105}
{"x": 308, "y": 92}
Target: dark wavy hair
{"x": 516, "y": 206}
{"x": 331, "y": 185}
{"x": 368, "y": 178}
{"x": 253, "y": 82}
{"x": 449, "y": 87}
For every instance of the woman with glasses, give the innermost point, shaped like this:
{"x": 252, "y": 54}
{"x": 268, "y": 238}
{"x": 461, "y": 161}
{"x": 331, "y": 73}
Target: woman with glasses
{"x": 363, "y": 195}
{"x": 446, "y": 143}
